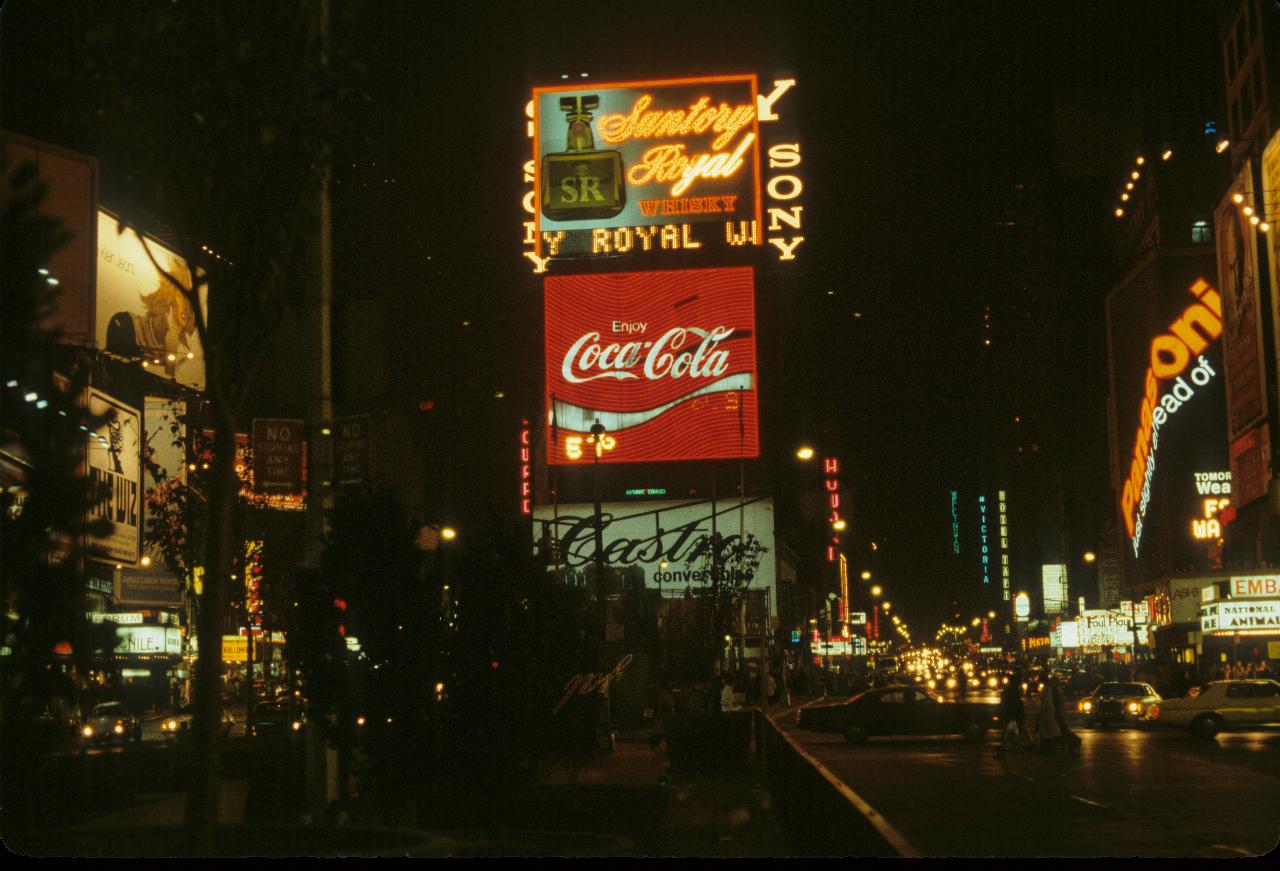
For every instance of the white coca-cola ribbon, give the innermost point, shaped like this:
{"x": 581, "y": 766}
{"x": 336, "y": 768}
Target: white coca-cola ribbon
{"x": 579, "y": 419}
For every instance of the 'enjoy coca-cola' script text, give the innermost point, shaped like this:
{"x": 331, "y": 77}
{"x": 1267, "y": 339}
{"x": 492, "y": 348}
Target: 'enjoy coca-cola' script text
{"x": 667, "y": 356}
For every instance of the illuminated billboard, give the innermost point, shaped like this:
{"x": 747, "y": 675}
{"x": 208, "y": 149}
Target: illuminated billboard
{"x": 1053, "y": 588}
{"x": 1177, "y": 369}
{"x": 140, "y": 314}
{"x": 664, "y": 361}
{"x": 114, "y": 459}
{"x": 669, "y": 541}
{"x": 622, "y": 168}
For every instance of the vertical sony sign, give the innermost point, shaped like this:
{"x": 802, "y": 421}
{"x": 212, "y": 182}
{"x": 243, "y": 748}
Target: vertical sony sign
{"x": 783, "y": 189}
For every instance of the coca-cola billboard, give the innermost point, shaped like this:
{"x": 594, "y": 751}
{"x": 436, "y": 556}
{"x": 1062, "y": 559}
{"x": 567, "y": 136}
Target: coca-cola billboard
{"x": 664, "y": 361}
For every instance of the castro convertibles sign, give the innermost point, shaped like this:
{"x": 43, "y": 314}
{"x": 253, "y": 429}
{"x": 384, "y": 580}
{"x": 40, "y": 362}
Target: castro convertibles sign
{"x": 670, "y": 541}
{"x": 664, "y": 361}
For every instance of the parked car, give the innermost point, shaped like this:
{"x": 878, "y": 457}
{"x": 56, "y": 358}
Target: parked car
{"x": 901, "y": 711}
{"x": 111, "y": 722}
{"x": 1118, "y": 702}
{"x": 1224, "y": 704}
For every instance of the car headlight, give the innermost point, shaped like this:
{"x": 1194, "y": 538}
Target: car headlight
{"x": 1135, "y": 707}
{"x": 992, "y": 682}
{"x": 931, "y": 683}
{"x": 1086, "y": 706}
{"x": 87, "y": 731}
{"x": 296, "y": 725}
{"x": 951, "y": 683}
{"x": 118, "y": 728}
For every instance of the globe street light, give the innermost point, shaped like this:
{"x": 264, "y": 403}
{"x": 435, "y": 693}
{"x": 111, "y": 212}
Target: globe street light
{"x": 866, "y": 575}
{"x": 804, "y": 453}
{"x": 1090, "y": 556}
{"x": 876, "y": 591}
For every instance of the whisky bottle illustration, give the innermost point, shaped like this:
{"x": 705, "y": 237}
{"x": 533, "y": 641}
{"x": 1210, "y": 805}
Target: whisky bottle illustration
{"x": 582, "y": 182}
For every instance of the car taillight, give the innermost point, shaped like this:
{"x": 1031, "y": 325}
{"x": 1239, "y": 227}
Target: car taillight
{"x": 1153, "y": 711}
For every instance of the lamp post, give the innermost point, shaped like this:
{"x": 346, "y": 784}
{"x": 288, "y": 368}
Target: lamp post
{"x": 597, "y": 433}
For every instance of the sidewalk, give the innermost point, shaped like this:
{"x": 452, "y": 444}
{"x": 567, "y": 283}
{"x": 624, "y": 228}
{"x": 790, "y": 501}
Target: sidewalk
{"x": 629, "y": 801}
{"x": 712, "y": 814}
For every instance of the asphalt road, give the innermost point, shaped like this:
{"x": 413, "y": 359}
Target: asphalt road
{"x": 1128, "y": 792}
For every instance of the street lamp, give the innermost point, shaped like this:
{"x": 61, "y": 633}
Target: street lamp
{"x": 866, "y": 575}
{"x": 875, "y": 590}
{"x": 804, "y": 453}
{"x": 448, "y": 533}
{"x": 839, "y": 525}
{"x": 1090, "y": 556}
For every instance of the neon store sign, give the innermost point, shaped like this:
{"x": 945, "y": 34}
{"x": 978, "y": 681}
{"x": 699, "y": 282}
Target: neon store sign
{"x": 983, "y": 538}
{"x": 1172, "y": 354}
{"x": 831, "y": 487}
{"x": 955, "y": 522}
{"x": 660, "y": 165}
{"x": 1004, "y": 545}
{"x": 526, "y": 471}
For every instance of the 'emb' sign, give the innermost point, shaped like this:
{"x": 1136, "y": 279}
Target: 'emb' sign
{"x": 1255, "y": 587}
{"x": 277, "y": 455}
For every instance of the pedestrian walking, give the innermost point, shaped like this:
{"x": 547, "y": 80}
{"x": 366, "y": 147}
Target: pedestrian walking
{"x": 1013, "y": 714}
{"x": 1047, "y": 724}
{"x": 1069, "y": 738}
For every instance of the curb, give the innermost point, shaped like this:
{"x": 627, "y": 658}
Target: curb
{"x": 883, "y": 827}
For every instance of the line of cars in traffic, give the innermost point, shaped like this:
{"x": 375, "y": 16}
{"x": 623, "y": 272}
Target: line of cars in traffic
{"x": 912, "y": 702}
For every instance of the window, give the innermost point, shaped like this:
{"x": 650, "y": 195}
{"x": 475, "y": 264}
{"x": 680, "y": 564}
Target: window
{"x": 1238, "y": 690}
{"x": 1201, "y": 232}
{"x": 1266, "y": 690}
{"x": 894, "y": 698}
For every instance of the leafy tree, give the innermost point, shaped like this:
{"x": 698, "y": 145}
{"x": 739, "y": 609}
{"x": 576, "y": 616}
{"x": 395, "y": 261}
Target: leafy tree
{"x": 224, "y": 114}
{"x": 731, "y": 562}
{"x": 44, "y": 513}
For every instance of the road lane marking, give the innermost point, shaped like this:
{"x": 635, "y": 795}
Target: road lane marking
{"x": 1087, "y": 801}
{"x": 1231, "y": 849}
{"x": 895, "y": 839}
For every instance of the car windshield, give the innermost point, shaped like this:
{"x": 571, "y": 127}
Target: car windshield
{"x": 111, "y": 709}
{"x": 1122, "y": 689}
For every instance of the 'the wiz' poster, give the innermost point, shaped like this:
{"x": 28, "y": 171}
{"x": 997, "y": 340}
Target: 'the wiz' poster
{"x": 114, "y": 458}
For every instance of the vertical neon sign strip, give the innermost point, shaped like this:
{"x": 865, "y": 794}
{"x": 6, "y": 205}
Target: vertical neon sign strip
{"x": 955, "y": 522}
{"x": 982, "y": 537}
{"x": 1004, "y": 546}
{"x": 831, "y": 486}
{"x": 526, "y": 471}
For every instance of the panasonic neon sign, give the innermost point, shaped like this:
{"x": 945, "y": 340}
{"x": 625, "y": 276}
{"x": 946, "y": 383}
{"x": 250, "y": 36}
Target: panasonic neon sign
{"x": 1171, "y": 355}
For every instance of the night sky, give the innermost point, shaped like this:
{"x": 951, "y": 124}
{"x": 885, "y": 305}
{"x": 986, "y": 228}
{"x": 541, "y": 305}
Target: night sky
{"x": 927, "y": 128}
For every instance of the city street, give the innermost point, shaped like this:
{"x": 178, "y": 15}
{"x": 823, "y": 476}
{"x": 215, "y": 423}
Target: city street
{"x": 426, "y": 430}
{"x": 1128, "y": 792}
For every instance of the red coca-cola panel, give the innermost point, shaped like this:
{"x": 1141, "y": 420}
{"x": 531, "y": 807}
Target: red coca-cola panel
{"x": 665, "y": 361}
